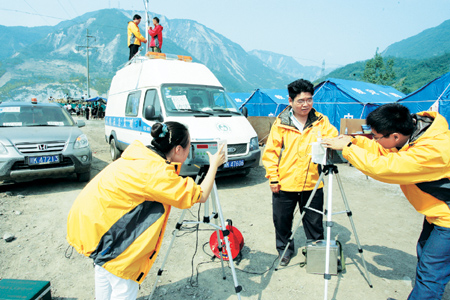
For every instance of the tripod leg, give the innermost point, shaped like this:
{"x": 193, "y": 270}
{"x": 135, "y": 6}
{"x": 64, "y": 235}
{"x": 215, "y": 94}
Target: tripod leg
{"x": 174, "y": 235}
{"x": 219, "y": 240}
{"x": 329, "y": 224}
{"x": 301, "y": 218}
{"x": 237, "y": 287}
{"x": 349, "y": 214}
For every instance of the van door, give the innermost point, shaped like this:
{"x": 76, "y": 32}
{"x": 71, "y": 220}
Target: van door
{"x": 151, "y": 99}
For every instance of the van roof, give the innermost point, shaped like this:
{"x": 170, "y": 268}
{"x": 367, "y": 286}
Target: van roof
{"x": 155, "y": 72}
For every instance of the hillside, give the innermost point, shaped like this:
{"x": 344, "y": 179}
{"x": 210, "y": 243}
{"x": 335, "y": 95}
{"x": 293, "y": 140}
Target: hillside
{"x": 411, "y": 74}
{"x": 429, "y": 43}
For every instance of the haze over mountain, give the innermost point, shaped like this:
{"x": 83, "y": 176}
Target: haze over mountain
{"x": 417, "y": 60}
{"x": 51, "y": 61}
{"x": 429, "y": 43}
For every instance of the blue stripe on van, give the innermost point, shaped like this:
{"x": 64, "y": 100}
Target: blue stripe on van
{"x": 130, "y": 123}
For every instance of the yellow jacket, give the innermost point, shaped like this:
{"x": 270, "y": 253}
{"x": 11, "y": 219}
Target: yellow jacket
{"x": 292, "y": 169}
{"x": 421, "y": 167}
{"x": 134, "y": 35}
{"x": 120, "y": 217}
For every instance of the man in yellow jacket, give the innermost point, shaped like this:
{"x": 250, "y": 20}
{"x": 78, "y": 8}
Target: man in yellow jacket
{"x": 134, "y": 36}
{"x": 413, "y": 151}
{"x": 292, "y": 175}
{"x": 120, "y": 217}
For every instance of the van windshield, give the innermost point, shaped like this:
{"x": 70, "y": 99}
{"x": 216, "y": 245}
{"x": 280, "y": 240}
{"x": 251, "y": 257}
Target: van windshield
{"x": 195, "y": 99}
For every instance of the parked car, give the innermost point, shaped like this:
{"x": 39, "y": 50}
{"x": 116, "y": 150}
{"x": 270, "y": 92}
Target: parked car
{"x": 41, "y": 140}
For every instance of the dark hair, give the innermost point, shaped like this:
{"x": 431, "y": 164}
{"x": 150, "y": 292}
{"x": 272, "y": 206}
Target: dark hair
{"x": 391, "y": 118}
{"x": 157, "y": 19}
{"x": 299, "y": 86}
{"x": 136, "y": 17}
{"x": 168, "y": 135}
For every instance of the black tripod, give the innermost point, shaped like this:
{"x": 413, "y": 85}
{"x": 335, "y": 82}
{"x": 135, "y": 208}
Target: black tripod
{"x": 216, "y": 213}
{"x": 329, "y": 170}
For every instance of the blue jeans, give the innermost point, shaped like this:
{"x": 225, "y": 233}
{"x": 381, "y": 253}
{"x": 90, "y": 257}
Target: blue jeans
{"x": 433, "y": 266}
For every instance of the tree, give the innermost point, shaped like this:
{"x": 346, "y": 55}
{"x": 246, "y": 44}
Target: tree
{"x": 378, "y": 71}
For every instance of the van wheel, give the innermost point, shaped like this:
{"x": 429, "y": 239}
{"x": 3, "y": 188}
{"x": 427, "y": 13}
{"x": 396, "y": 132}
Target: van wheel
{"x": 115, "y": 153}
{"x": 84, "y": 177}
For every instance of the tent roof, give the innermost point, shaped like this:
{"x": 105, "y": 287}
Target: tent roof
{"x": 96, "y": 99}
{"x": 438, "y": 88}
{"x": 364, "y": 92}
{"x": 239, "y": 98}
{"x": 279, "y": 96}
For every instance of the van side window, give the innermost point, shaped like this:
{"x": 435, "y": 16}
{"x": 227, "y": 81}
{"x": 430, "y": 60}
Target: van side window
{"x": 132, "y": 107}
{"x": 152, "y": 98}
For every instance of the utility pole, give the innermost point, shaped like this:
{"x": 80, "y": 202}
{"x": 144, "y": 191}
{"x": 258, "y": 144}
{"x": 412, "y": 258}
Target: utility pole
{"x": 87, "y": 59}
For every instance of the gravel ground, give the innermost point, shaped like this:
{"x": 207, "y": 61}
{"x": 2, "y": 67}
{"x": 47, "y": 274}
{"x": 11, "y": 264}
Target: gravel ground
{"x": 387, "y": 227}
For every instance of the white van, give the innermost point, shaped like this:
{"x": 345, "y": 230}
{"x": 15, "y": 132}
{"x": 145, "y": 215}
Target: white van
{"x": 149, "y": 90}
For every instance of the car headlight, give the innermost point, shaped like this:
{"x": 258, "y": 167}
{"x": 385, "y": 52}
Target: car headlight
{"x": 254, "y": 143}
{"x": 81, "y": 142}
{"x": 3, "y": 149}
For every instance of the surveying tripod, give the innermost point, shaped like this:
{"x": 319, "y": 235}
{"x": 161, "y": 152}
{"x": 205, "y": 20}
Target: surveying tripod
{"x": 329, "y": 170}
{"x": 216, "y": 213}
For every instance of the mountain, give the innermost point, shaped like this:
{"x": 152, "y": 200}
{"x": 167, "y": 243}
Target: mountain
{"x": 15, "y": 38}
{"x": 429, "y": 43}
{"x": 284, "y": 64}
{"x": 54, "y": 62}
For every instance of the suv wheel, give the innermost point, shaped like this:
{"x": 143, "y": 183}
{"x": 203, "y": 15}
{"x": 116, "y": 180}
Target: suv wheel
{"x": 115, "y": 153}
{"x": 84, "y": 177}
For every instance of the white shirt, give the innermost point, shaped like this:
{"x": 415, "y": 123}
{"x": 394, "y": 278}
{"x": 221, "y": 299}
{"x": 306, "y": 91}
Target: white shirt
{"x": 297, "y": 124}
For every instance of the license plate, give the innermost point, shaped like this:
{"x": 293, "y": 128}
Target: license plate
{"x": 42, "y": 160}
{"x": 233, "y": 164}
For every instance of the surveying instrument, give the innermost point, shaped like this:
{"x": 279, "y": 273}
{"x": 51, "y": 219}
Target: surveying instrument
{"x": 325, "y": 159}
{"x": 199, "y": 157}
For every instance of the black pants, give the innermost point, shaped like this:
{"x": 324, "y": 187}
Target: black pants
{"x": 283, "y": 205}
{"x": 133, "y": 50}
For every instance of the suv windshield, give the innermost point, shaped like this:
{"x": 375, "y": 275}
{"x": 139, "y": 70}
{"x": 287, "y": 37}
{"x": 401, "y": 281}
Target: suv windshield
{"x": 26, "y": 116}
{"x": 196, "y": 99}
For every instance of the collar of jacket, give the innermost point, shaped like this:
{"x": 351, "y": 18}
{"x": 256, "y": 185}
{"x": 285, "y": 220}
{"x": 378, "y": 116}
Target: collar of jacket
{"x": 137, "y": 151}
{"x": 422, "y": 124}
{"x": 153, "y": 148}
{"x": 285, "y": 118}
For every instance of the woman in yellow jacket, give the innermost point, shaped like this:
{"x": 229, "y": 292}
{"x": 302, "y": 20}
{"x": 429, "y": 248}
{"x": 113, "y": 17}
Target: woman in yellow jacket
{"x": 413, "y": 151}
{"x": 120, "y": 217}
{"x": 287, "y": 159}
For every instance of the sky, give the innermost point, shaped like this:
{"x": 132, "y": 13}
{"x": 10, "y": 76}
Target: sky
{"x": 337, "y": 31}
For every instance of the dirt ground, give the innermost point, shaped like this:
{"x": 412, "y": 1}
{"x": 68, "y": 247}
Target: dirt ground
{"x": 386, "y": 224}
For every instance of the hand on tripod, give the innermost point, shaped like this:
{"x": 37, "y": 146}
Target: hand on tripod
{"x": 215, "y": 161}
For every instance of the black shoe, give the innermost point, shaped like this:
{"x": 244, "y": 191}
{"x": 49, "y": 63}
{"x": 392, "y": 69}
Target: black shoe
{"x": 285, "y": 261}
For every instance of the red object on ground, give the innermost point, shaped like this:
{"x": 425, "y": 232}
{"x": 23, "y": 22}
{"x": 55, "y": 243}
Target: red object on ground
{"x": 236, "y": 242}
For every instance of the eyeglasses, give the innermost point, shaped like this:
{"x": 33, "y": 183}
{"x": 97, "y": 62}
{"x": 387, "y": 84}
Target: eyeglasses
{"x": 300, "y": 101}
{"x": 379, "y": 138}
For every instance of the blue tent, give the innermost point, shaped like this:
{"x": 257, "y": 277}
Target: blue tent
{"x": 339, "y": 98}
{"x": 426, "y": 96}
{"x": 95, "y": 99}
{"x": 239, "y": 98}
{"x": 267, "y": 102}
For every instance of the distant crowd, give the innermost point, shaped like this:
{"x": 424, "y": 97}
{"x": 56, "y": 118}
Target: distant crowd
{"x": 93, "y": 111}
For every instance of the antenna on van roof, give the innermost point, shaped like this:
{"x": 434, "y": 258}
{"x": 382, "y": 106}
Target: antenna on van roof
{"x": 147, "y": 24}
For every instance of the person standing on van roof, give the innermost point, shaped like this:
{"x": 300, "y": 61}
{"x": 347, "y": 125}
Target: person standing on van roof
{"x": 120, "y": 217}
{"x": 287, "y": 160}
{"x": 157, "y": 37}
{"x": 134, "y": 36}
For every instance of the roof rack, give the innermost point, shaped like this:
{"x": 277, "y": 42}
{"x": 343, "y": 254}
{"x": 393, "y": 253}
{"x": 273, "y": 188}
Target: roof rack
{"x": 156, "y": 55}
